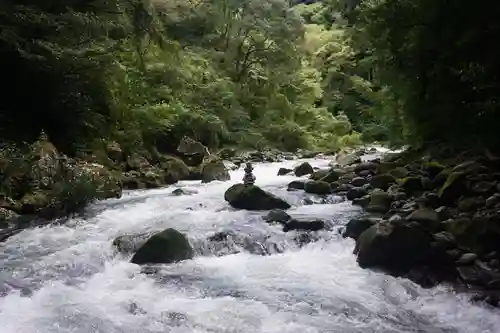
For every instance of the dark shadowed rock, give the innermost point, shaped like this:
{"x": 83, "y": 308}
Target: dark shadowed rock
{"x": 304, "y": 225}
{"x": 318, "y": 174}
{"x": 277, "y": 215}
{"x": 359, "y": 181}
{"x": 165, "y": 247}
{"x": 356, "y": 193}
{"x": 296, "y": 185}
{"x": 317, "y": 187}
{"x": 356, "y": 226}
{"x": 427, "y": 217}
{"x": 393, "y": 246}
{"x": 284, "y": 171}
{"x": 382, "y": 181}
{"x": 380, "y": 202}
{"x": 303, "y": 169}
{"x": 252, "y": 197}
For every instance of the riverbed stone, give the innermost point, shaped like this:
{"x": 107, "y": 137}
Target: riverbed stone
{"x": 356, "y": 193}
{"x": 393, "y": 246}
{"x": 303, "y": 169}
{"x": 382, "y": 181}
{"x": 296, "y": 185}
{"x": 284, "y": 171}
{"x": 356, "y": 226}
{"x": 214, "y": 169}
{"x": 252, "y": 197}
{"x": 277, "y": 215}
{"x": 427, "y": 217}
{"x": 164, "y": 247}
{"x": 380, "y": 202}
{"x": 317, "y": 187}
{"x": 294, "y": 224}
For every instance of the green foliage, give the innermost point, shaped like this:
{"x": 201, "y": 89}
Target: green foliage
{"x": 146, "y": 73}
{"x": 441, "y": 87}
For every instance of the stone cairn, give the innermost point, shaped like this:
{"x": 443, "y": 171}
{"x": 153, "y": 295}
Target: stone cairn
{"x": 249, "y": 178}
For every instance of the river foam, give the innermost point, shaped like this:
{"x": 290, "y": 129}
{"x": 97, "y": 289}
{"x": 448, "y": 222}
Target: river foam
{"x": 69, "y": 279}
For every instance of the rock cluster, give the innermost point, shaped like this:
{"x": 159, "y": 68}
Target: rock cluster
{"x": 426, "y": 220}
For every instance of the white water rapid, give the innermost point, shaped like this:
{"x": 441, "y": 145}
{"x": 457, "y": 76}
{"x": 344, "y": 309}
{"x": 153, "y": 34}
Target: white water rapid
{"x": 69, "y": 279}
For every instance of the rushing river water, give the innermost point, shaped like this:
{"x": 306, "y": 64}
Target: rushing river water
{"x": 69, "y": 279}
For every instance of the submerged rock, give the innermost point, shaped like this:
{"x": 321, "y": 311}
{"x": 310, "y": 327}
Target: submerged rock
{"x": 165, "y": 247}
{"x": 252, "y": 197}
{"x": 277, "y": 215}
{"x": 294, "y": 224}
{"x": 317, "y": 187}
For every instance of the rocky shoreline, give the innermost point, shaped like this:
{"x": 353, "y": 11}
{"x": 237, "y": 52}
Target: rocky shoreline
{"x": 432, "y": 219}
{"x": 39, "y": 184}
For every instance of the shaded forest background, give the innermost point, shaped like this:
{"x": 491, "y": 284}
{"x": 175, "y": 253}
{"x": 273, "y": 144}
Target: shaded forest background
{"x": 248, "y": 74}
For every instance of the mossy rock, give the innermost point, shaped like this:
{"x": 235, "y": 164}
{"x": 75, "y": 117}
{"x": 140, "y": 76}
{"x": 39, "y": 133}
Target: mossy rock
{"x": 380, "y": 202}
{"x": 136, "y": 161}
{"x": 399, "y": 172}
{"x": 6, "y": 215}
{"x": 35, "y": 202}
{"x": 174, "y": 169}
{"x": 165, "y": 247}
{"x": 252, "y": 197}
{"x": 433, "y": 168}
{"x": 385, "y": 167}
{"x": 318, "y": 187}
{"x": 214, "y": 169}
{"x": 296, "y": 185}
{"x": 453, "y": 188}
{"x": 411, "y": 185}
{"x": 396, "y": 247}
{"x": 331, "y": 176}
{"x": 479, "y": 235}
{"x": 318, "y": 174}
{"x": 383, "y": 181}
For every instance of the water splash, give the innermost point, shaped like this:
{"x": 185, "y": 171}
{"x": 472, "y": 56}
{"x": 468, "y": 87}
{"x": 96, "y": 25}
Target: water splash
{"x": 68, "y": 278}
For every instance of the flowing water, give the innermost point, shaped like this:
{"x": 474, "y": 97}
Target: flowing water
{"x": 69, "y": 279}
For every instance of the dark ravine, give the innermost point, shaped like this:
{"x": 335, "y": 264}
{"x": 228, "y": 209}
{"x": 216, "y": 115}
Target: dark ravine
{"x": 250, "y": 270}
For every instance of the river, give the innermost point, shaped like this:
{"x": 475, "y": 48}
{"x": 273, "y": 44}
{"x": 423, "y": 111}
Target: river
{"x": 69, "y": 279}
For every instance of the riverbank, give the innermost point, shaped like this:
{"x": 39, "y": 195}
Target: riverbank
{"x": 432, "y": 217}
{"x": 38, "y": 183}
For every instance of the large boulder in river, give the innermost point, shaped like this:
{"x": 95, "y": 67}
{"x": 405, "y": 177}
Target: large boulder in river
{"x": 317, "y": 187}
{"x": 174, "y": 169}
{"x": 284, "y": 171}
{"x": 252, "y": 197}
{"x": 165, "y": 247}
{"x": 303, "y": 169}
{"x": 192, "y": 151}
{"x": 296, "y": 185}
{"x": 355, "y": 227}
{"x": 397, "y": 247}
{"x": 214, "y": 169}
